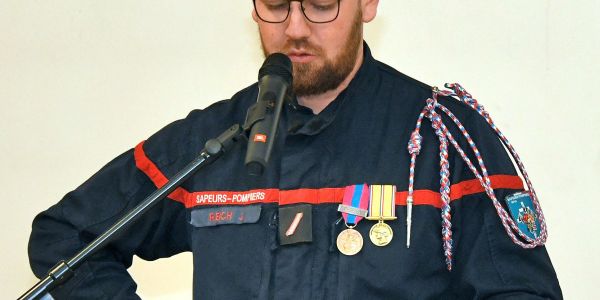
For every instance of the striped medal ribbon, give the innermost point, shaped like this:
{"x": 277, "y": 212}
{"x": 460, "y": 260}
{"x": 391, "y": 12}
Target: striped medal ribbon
{"x": 354, "y": 208}
{"x": 382, "y": 207}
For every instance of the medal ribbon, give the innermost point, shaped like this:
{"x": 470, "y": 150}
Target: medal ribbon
{"x": 382, "y": 204}
{"x": 355, "y": 196}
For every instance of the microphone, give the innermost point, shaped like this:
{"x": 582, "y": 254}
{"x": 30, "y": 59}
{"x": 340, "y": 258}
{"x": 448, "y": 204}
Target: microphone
{"x": 274, "y": 81}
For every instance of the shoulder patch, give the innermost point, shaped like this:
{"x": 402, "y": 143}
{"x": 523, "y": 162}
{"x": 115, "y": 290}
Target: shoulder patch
{"x": 523, "y": 213}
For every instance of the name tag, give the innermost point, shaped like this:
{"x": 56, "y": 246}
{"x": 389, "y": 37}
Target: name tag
{"x": 214, "y": 216}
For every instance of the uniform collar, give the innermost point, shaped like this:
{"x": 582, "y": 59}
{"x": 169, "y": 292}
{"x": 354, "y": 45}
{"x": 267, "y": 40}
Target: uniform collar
{"x": 302, "y": 121}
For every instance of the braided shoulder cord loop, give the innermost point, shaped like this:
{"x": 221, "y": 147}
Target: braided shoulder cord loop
{"x": 414, "y": 148}
{"x": 444, "y": 136}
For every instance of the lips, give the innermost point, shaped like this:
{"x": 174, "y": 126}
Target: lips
{"x": 300, "y": 56}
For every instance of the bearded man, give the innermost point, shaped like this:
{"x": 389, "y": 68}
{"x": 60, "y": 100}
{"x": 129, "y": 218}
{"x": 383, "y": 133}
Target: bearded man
{"x": 343, "y": 141}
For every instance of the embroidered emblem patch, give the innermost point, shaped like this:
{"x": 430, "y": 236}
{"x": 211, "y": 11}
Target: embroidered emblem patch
{"x": 523, "y": 213}
{"x": 214, "y": 216}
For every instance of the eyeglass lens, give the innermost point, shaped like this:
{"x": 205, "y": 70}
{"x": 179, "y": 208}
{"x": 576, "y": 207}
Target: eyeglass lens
{"x": 316, "y": 11}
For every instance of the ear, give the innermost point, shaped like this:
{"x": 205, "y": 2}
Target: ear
{"x": 369, "y": 9}
{"x": 254, "y": 15}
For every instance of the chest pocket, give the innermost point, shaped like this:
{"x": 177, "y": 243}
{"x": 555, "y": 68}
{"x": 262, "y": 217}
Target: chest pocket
{"x": 231, "y": 251}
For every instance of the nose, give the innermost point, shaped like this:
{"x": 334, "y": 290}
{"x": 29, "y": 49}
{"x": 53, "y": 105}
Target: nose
{"x": 297, "y": 26}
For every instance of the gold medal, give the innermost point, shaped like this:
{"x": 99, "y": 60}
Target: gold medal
{"x": 382, "y": 206}
{"x": 349, "y": 242}
{"x": 381, "y": 234}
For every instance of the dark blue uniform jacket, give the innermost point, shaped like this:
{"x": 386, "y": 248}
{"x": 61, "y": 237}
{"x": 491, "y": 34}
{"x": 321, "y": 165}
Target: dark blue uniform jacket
{"x": 361, "y": 137}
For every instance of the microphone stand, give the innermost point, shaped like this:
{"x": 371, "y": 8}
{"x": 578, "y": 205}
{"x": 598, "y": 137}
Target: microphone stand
{"x": 267, "y": 107}
{"x": 213, "y": 149}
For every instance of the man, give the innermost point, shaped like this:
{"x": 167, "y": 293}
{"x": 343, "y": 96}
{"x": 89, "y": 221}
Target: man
{"x": 274, "y": 236}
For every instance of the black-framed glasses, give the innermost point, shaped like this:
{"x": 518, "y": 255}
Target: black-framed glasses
{"x": 316, "y": 11}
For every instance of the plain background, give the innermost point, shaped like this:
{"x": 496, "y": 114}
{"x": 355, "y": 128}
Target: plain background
{"x": 82, "y": 81}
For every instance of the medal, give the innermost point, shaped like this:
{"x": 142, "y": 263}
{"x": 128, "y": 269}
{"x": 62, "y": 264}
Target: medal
{"x": 381, "y": 234}
{"x": 349, "y": 241}
{"x": 354, "y": 209}
{"x": 382, "y": 207}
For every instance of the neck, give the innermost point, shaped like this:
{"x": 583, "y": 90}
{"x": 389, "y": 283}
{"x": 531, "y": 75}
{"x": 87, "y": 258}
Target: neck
{"x": 318, "y": 102}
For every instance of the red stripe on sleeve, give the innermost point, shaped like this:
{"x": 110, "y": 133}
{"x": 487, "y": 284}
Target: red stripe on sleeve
{"x": 144, "y": 164}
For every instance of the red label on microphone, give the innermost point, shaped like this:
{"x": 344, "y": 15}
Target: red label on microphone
{"x": 260, "y": 138}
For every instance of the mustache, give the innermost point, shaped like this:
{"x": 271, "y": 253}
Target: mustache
{"x": 301, "y": 44}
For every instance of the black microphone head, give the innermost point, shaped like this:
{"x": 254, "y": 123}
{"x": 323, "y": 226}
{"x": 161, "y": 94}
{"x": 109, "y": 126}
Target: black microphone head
{"x": 277, "y": 64}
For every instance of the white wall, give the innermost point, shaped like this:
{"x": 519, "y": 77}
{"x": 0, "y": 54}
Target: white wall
{"x": 81, "y": 81}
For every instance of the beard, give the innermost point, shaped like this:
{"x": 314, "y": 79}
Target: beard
{"x": 314, "y": 78}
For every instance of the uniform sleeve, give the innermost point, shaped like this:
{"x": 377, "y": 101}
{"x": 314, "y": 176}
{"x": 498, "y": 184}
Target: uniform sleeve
{"x": 487, "y": 264}
{"x": 65, "y": 228}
